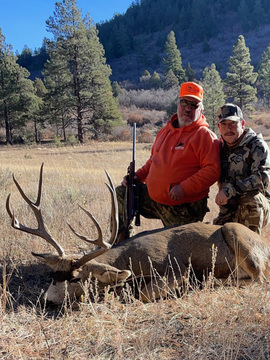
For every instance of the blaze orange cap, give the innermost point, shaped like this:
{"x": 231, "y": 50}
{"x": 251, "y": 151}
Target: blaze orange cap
{"x": 192, "y": 90}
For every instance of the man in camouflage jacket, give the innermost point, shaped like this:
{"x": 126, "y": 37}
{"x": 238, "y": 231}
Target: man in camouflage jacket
{"x": 245, "y": 171}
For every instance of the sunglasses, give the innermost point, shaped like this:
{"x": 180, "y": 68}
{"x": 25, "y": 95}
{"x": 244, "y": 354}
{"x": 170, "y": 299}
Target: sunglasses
{"x": 192, "y": 104}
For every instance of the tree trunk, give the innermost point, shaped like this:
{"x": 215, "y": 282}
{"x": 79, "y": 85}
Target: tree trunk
{"x": 77, "y": 94}
{"x": 64, "y": 129}
{"x": 36, "y": 132}
{"x": 7, "y": 125}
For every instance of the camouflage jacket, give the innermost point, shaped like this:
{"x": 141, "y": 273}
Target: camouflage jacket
{"x": 246, "y": 167}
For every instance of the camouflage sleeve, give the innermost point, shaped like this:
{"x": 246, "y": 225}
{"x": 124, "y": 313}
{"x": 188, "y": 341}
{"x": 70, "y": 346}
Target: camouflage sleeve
{"x": 258, "y": 179}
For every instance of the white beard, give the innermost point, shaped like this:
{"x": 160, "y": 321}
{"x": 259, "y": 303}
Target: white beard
{"x": 182, "y": 123}
{"x": 196, "y": 117}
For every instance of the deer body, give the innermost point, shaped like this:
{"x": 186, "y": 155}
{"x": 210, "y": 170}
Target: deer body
{"x": 152, "y": 255}
{"x": 168, "y": 252}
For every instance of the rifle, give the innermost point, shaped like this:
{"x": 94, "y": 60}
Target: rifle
{"x": 131, "y": 202}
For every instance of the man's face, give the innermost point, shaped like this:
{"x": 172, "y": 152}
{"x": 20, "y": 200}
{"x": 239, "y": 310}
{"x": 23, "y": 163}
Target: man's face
{"x": 231, "y": 130}
{"x": 188, "y": 110}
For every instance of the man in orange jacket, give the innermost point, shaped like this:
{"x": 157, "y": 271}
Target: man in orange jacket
{"x": 184, "y": 163}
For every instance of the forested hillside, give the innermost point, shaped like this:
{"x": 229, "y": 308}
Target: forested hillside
{"x": 80, "y": 85}
{"x": 205, "y": 33}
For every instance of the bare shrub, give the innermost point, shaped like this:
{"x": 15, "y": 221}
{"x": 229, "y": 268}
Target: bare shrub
{"x": 145, "y": 137}
{"x": 121, "y": 134}
{"x": 135, "y": 118}
{"x": 262, "y": 121}
{"x": 150, "y": 118}
{"x": 149, "y": 99}
{"x": 138, "y": 119}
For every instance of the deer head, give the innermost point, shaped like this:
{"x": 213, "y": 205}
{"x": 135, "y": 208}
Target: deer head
{"x": 70, "y": 271}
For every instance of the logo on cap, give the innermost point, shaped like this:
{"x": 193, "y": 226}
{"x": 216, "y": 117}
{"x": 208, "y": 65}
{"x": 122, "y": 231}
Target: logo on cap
{"x": 191, "y": 89}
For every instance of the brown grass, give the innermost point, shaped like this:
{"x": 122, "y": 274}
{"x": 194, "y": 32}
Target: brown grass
{"x": 220, "y": 323}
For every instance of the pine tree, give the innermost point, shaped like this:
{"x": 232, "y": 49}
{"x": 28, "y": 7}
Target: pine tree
{"x": 170, "y": 80}
{"x": 145, "y": 78}
{"x": 190, "y": 74}
{"x": 173, "y": 60}
{"x": 264, "y": 79}
{"x": 16, "y": 92}
{"x": 259, "y": 15}
{"x": 200, "y": 30}
{"x": 86, "y": 73}
{"x": 244, "y": 15}
{"x": 241, "y": 77}
{"x": 155, "y": 81}
{"x": 265, "y": 58}
{"x": 58, "y": 99}
{"x": 264, "y": 75}
{"x": 117, "y": 90}
{"x": 38, "y": 107}
{"x": 213, "y": 94}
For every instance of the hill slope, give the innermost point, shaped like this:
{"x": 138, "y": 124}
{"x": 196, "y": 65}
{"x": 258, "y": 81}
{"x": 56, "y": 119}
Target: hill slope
{"x": 205, "y": 34}
{"x": 130, "y": 67}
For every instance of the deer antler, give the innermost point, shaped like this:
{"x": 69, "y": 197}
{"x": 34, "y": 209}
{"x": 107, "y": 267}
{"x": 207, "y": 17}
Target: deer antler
{"x": 103, "y": 245}
{"x": 35, "y": 206}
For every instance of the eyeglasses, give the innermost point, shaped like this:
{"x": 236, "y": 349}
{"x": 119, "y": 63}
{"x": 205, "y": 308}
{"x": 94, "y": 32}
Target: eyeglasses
{"x": 192, "y": 104}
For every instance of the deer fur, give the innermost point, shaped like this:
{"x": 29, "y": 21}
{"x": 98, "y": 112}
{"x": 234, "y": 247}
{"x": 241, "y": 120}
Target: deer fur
{"x": 162, "y": 257}
{"x": 168, "y": 252}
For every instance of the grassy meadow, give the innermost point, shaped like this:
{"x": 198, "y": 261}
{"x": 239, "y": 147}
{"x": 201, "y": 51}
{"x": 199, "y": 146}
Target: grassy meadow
{"x": 208, "y": 323}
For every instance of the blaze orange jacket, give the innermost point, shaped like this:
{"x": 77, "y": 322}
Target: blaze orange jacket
{"x": 188, "y": 156}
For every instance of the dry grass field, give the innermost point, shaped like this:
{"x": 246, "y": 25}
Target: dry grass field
{"x": 207, "y": 323}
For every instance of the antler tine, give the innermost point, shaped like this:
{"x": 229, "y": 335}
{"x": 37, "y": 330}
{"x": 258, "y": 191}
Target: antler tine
{"x": 99, "y": 241}
{"x": 114, "y": 210}
{"x": 29, "y": 202}
{"x": 41, "y": 230}
{"x": 105, "y": 245}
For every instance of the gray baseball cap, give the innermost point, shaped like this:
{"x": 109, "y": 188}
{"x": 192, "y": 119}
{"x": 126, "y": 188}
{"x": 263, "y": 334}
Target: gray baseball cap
{"x": 229, "y": 112}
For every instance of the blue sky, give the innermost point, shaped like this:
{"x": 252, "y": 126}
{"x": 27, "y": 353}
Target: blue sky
{"x": 23, "y": 21}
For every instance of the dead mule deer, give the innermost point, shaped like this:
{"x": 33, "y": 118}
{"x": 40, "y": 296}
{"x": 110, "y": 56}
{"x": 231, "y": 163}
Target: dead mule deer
{"x": 152, "y": 255}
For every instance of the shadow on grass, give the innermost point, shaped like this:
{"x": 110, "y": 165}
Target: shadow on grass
{"x": 24, "y": 284}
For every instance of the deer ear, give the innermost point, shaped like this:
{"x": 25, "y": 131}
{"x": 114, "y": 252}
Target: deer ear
{"x": 76, "y": 276}
{"x": 49, "y": 259}
{"x": 113, "y": 277}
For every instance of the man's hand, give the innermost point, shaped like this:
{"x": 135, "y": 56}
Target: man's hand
{"x": 124, "y": 181}
{"x": 177, "y": 193}
{"x": 221, "y": 198}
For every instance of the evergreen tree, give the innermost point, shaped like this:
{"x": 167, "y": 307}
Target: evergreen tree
{"x": 264, "y": 75}
{"x": 173, "y": 60}
{"x": 241, "y": 77}
{"x": 205, "y": 46}
{"x": 264, "y": 79}
{"x": 199, "y": 29}
{"x": 259, "y": 15}
{"x": 185, "y": 15}
{"x": 265, "y": 58}
{"x": 145, "y": 78}
{"x": 244, "y": 15}
{"x": 170, "y": 81}
{"x": 58, "y": 99}
{"x": 155, "y": 81}
{"x": 86, "y": 73}
{"x": 38, "y": 107}
{"x": 117, "y": 90}
{"x": 16, "y": 92}
{"x": 190, "y": 74}
{"x": 213, "y": 94}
